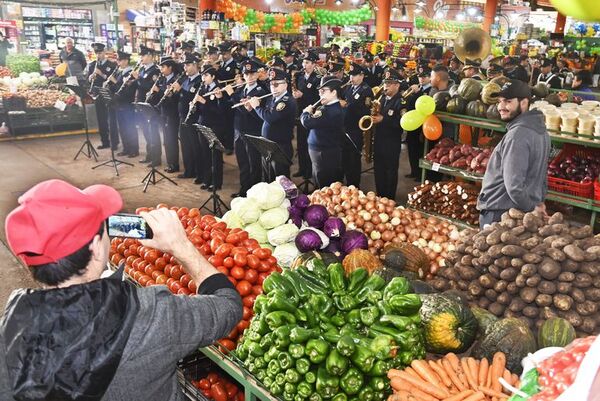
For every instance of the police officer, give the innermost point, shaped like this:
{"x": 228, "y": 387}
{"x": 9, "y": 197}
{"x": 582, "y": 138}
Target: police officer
{"x": 247, "y": 122}
{"x": 414, "y": 139}
{"x": 548, "y": 77}
{"x": 228, "y": 71}
{"x": 357, "y": 101}
{"x": 388, "y": 138}
{"x": 122, "y": 85}
{"x": 374, "y": 73}
{"x": 187, "y": 133}
{"x": 146, "y": 77}
{"x": 291, "y": 64}
{"x": 279, "y": 115}
{"x": 305, "y": 93}
{"x": 471, "y": 70}
{"x": 97, "y": 72}
{"x": 326, "y": 133}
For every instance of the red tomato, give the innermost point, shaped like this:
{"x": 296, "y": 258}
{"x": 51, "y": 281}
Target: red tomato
{"x": 261, "y": 278}
{"x": 232, "y": 280}
{"x": 127, "y": 270}
{"x": 271, "y": 260}
{"x": 215, "y": 260}
{"x": 221, "y": 226}
{"x": 150, "y": 283}
{"x": 175, "y": 286}
{"x": 232, "y": 390}
{"x": 243, "y": 325}
{"x": 176, "y": 272}
{"x": 263, "y": 266}
{"x": 143, "y": 280}
{"x": 183, "y": 211}
{"x": 169, "y": 281}
{"x": 134, "y": 249}
{"x": 183, "y": 291}
{"x": 247, "y": 313}
{"x": 244, "y": 288}
{"x": 155, "y": 274}
{"x": 224, "y": 250}
{"x": 253, "y": 261}
{"x": 168, "y": 269}
{"x": 257, "y": 289}
{"x": 151, "y": 256}
{"x": 142, "y": 265}
{"x": 192, "y": 286}
{"x": 248, "y": 301}
{"x": 251, "y": 276}
{"x": 194, "y": 212}
{"x": 116, "y": 258}
{"x": 121, "y": 248}
{"x": 203, "y": 384}
{"x": 205, "y": 250}
{"x": 240, "y": 260}
{"x": 162, "y": 279}
{"x": 223, "y": 270}
{"x": 233, "y": 334}
{"x": 232, "y": 239}
{"x": 240, "y": 396}
{"x": 127, "y": 253}
{"x": 214, "y": 244}
{"x": 205, "y": 235}
{"x": 213, "y": 378}
{"x": 237, "y": 272}
{"x": 185, "y": 279}
{"x": 228, "y": 262}
{"x": 218, "y": 392}
{"x": 160, "y": 263}
{"x": 136, "y": 275}
{"x": 228, "y": 344}
{"x": 262, "y": 253}
{"x": 149, "y": 269}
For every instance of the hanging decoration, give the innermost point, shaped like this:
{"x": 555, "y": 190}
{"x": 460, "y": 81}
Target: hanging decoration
{"x": 586, "y": 10}
{"x": 430, "y": 24}
{"x": 259, "y": 21}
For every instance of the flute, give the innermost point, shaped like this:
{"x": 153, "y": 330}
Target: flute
{"x": 247, "y": 100}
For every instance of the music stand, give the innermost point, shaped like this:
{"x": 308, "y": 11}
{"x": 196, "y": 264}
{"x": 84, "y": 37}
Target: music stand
{"x": 87, "y": 148}
{"x": 270, "y": 151}
{"x": 105, "y": 95}
{"x": 148, "y": 111}
{"x": 215, "y": 146}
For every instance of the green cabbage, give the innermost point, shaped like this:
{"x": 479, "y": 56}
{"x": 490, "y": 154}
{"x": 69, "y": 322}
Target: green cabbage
{"x": 274, "y": 218}
{"x": 232, "y": 220}
{"x": 285, "y": 254}
{"x": 282, "y": 234}
{"x": 266, "y": 195}
{"x": 247, "y": 209}
{"x": 266, "y": 245}
{"x": 256, "y": 231}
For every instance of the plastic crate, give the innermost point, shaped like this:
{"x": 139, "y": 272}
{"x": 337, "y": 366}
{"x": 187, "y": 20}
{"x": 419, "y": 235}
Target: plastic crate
{"x": 597, "y": 192}
{"x": 567, "y": 186}
{"x": 193, "y": 367}
{"x": 14, "y": 103}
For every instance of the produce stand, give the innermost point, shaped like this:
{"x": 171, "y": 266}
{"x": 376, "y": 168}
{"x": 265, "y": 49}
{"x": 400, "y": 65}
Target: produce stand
{"x": 46, "y": 119}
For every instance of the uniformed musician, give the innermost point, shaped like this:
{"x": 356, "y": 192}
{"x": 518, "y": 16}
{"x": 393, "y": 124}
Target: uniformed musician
{"x": 123, "y": 88}
{"x": 388, "y": 137}
{"x": 414, "y": 139}
{"x": 326, "y": 133}
{"x": 97, "y": 72}
{"x": 279, "y": 116}
{"x": 400, "y": 66}
{"x": 277, "y": 62}
{"x": 305, "y": 93}
{"x": 382, "y": 56}
{"x": 357, "y": 102}
{"x": 187, "y": 133}
{"x": 212, "y": 55}
{"x": 471, "y": 70}
{"x": 374, "y": 73}
{"x": 547, "y": 77}
{"x": 337, "y": 70}
{"x": 494, "y": 71}
{"x": 228, "y": 71}
{"x": 291, "y": 64}
{"x": 455, "y": 69}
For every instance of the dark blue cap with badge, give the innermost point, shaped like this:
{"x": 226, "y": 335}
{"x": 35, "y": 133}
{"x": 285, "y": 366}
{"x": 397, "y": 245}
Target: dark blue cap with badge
{"x": 208, "y": 69}
{"x": 121, "y": 55}
{"x": 275, "y": 74}
{"x": 211, "y": 50}
{"x": 288, "y": 53}
{"x": 145, "y": 50}
{"x": 391, "y": 75}
{"x": 98, "y": 47}
{"x": 311, "y": 56}
{"x": 224, "y": 48}
{"x": 250, "y": 67}
{"x": 368, "y": 56}
{"x": 356, "y": 69}
{"x": 330, "y": 81}
{"x": 167, "y": 61}
{"x": 191, "y": 59}
{"x": 278, "y": 62}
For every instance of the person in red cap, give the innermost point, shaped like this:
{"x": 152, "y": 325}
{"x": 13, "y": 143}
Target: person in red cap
{"x": 81, "y": 337}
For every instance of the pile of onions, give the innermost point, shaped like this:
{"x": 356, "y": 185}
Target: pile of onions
{"x": 385, "y": 223}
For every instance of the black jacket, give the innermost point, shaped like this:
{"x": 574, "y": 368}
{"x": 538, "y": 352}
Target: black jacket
{"x": 279, "y": 118}
{"x": 107, "y": 68}
{"x": 374, "y": 75}
{"x": 391, "y": 111}
{"x": 247, "y": 122}
{"x": 309, "y": 88}
{"x": 359, "y": 105}
{"x": 211, "y": 112}
{"x": 125, "y": 92}
{"x": 326, "y": 127}
{"x": 146, "y": 79}
{"x": 188, "y": 91}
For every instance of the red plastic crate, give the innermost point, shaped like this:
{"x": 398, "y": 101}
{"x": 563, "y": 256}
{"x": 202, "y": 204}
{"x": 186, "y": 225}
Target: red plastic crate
{"x": 597, "y": 192}
{"x": 572, "y": 187}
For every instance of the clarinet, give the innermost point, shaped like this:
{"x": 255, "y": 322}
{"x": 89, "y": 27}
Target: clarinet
{"x": 169, "y": 91}
{"x": 129, "y": 80}
{"x": 192, "y": 110}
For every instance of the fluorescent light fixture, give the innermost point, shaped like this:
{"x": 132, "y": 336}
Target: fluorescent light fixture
{"x": 418, "y": 11}
{"x": 460, "y": 17}
{"x": 472, "y": 11}
{"x": 338, "y": 2}
{"x": 421, "y": 3}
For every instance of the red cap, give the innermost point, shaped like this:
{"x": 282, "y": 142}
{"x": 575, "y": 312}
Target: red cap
{"x": 55, "y": 219}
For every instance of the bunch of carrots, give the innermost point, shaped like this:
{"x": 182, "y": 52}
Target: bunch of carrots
{"x": 452, "y": 379}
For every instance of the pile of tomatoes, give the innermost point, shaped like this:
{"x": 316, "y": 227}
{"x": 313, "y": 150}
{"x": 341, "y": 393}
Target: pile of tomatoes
{"x": 240, "y": 258}
{"x": 219, "y": 388}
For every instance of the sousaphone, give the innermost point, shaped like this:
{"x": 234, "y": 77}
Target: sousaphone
{"x": 473, "y": 45}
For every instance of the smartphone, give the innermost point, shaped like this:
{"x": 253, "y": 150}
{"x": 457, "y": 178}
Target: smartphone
{"x": 128, "y": 225}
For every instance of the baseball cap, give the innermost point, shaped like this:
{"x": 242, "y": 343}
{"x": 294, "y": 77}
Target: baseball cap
{"x": 55, "y": 219}
{"x": 514, "y": 88}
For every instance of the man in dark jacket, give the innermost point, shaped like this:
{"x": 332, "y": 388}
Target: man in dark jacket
{"x": 83, "y": 337}
{"x": 74, "y": 58}
{"x": 514, "y": 70}
{"x": 516, "y": 175}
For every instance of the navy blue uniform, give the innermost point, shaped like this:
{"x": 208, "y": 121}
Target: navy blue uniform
{"x": 107, "y": 67}
{"x": 170, "y": 116}
{"x": 310, "y": 94}
{"x": 326, "y": 134}
{"x": 228, "y": 72}
{"x": 358, "y": 105}
{"x": 374, "y": 75}
{"x": 388, "y": 143}
{"x": 187, "y": 133}
{"x": 124, "y": 91}
{"x": 279, "y": 116}
{"x": 414, "y": 139}
{"x": 147, "y": 77}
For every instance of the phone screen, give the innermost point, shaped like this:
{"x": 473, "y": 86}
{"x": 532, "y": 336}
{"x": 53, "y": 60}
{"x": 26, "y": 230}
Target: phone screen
{"x": 128, "y": 225}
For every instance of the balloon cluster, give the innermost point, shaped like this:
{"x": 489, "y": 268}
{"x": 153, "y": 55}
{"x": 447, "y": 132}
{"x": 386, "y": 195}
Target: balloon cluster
{"x": 580, "y": 28}
{"x": 423, "y": 115}
{"x": 259, "y": 21}
{"x": 430, "y": 24}
{"x": 585, "y": 10}
{"x": 596, "y": 27}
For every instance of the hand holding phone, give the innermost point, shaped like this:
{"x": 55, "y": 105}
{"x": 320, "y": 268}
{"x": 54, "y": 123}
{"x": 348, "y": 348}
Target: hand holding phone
{"x": 129, "y": 226}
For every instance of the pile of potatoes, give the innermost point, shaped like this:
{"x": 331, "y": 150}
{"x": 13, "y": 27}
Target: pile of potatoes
{"x": 530, "y": 266}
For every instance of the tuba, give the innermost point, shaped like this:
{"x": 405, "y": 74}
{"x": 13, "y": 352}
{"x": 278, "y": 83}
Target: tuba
{"x": 472, "y": 44}
{"x": 366, "y": 124}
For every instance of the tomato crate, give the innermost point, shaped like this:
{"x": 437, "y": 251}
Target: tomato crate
{"x": 597, "y": 192}
{"x": 197, "y": 366}
{"x": 571, "y": 187}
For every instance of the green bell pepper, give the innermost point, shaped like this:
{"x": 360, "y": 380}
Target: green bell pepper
{"x": 254, "y": 336}
{"x": 304, "y": 389}
{"x": 320, "y": 303}
{"x": 363, "y": 358}
{"x": 380, "y": 368}
{"x": 352, "y": 381}
{"x": 315, "y": 397}
{"x": 372, "y": 297}
{"x": 311, "y": 316}
{"x": 345, "y": 345}
{"x": 300, "y": 315}
{"x": 374, "y": 283}
{"x": 267, "y": 381}
{"x": 368, "y": 315}
{"x": 399, "y": 322}
{"x": 260, "y": 363}
{"x": 326, "y": 325}
{"x": 292, "y": 375}
{"x": 379, "y": 396}
{"x": 271, "y": 354}
{"x": 340, "y": 397}
{"x": 280, "y": 379}
{"x": 336, "y": 364}
{"x": 384, "y": 308}
{"x": 288, "y": 396}
{"x": 317, "y": 350}
{"x": 397, "y": 286}
{"x": 278, "y": 301}
{"x": 337, "y": 277}
{"x": 366, "y": 394}
{"x": 267, "y": 340}
{"x": 345, "y": 302}
{"x": 357, "y": 278}
{"x": 296, "y": 351}
{"x": 377, "y": 383}
{"x": 275, "y": 389}
{"x": 241, "y": 352}
{"x": 279, "y": 318}
{"x": 260, "y": 303}
{"x": 276, "y": 281}
{"x": 313, "y": 278}
{"x": 353, "y": 318}
{"x": 310, "y": 377}
{"x": 289, "y": 388}
{"x": 332, "y": 336}
{"x": 338, "y": 319}
{"x": 273, "y": 368}
{"x": 407, "y": 304}
{"x": 285, "y": 360}
{"x": 302, "y": 366}
{"x": 383, "y": 347}
{"x": 317, "y": 266}
{"x": 259, "y": 326}
{"x": 327, "y": 385}
{"x": 298, "y": 397}
{"x": 254, "y": 349}
{"x": 261, "y": 374}
{"x": 297, "y": 283}
{"x": 300, "y": 335}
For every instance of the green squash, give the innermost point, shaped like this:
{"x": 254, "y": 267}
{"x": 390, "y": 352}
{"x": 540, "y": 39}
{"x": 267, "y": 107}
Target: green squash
{"x": 441, "y": 100}
{"x": 388, "y": 273}
{"x": 488, "y": 93}
{"x": 492, "y": 112}
{"x": 448, "y": 325}
{"x": 555, "y": 332}
{"x": 540, "y": 90}
{"x": 469, "y": 89}
{"x": 484, "y": 318}
{"x": 456, "y": 105}
{"x": 476, "y": 108}
{"x": 453, "y": 90}
{"x": 511, "y": 336}
{"x": 305, "y": 259}
{"x": 500, "y": 81}
{"x": 421, "y": 287}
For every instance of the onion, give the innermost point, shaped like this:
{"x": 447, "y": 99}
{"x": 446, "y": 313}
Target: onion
{"x": 375, "y": 219}
{"x": 387, "y": 236}
{"x": 395, "y": 221}
{"x": 368, "y": 227}
{"x": 384, "y": 217}
{"x": 375, "y": 235}
{"x": 366, "y": 216}
{"x": 360, "y": 221}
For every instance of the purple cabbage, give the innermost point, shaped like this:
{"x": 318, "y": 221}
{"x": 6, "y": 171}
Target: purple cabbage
{"x": 354, "y": 239}
{"x": 311, "y": 239}
{"x": 334, "y": 227}
{"x": 315, "y": 216}
{"x": 296, "y": 219}
{"x": 291, "y": 190}
{"x": 335, "y": 247}
{"x": 301, "y": 202}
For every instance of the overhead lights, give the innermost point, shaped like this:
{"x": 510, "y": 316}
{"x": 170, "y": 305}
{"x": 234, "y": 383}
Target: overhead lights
{"x": 472, "y": 11}
{"x": 420, "y": 3}
{"x": 418, "y": 10}
{"x": 338, "y": 2}
{"x": 460, "y": 16}
{"x": 354, "y": 1}
{"x": 268, "y": 1}
{"x": 439, "y": 15}
{"x": 496, "y": 18}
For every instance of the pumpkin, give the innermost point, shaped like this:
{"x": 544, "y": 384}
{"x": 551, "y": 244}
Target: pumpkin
{"x": 421, "y": 287}
{"x": 456, "y": 105}
{"x": 476, "y": 108}
{"x": 555, "y": 332}
{"x": 469, "y": 89}
{"x": 453, "y": 91}
{"x": 540, "y": 90}
{"x": 441, "y": 100}
{"x": 554, "y": 99}
{"x": 307, "y": 258}
{"x": 492, "y": 112}
{"x": 484, "y": 318}
{"x": 388, "y": 273}
{"x": 361, "y": 258}
{"x": 511, "y": 336}
{"x": 415, "y": 260}
{"x": 488, "y": 92}
{"x": 448, "y": 325}
{"x": 500, "y": 81}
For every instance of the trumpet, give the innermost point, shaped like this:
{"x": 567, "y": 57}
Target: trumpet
{"x": 410, "y": 91}
{"x": 169, "y": 91}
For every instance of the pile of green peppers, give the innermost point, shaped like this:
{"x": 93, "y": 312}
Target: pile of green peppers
{"x": 319, "y": 334}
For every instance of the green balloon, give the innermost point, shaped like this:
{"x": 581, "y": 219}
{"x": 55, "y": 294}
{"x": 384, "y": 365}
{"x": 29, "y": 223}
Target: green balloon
{"x": 412, "y": 120}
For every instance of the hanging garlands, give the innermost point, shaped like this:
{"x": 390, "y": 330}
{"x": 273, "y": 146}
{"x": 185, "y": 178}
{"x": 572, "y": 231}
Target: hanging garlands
{"x": 259, "y": 21}
{"x": 430, "y": 24}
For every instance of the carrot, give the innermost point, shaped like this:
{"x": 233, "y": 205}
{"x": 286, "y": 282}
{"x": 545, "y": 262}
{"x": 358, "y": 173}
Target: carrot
{"x": 403, "y": 385}
{"x": 507, "y": 376}
{"x": 460, "y": 396}
{"x": 498, "y": 364}
{"x": 475, "y": 397}
{"x": 453, "y": 375}
{"x": 488, "y": 380}
{"x": 413, "y": 373}
{"x": 474, "y": 367}
{"x": 393, "y": 372}
{"x": 441, "y": 373}
{"x": 429, "y": 375}
{"x": 514, "y": 380}
{"x": 453, "y": 359}
{"x": 483, "y": 371}
{"x": 401, "y": 395}
{"x": 464, "y": 364}
{"x": 425, "y": 387}
{"x": 492, "y": 393}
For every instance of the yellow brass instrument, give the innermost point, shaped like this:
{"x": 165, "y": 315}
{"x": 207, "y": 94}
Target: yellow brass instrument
{"x": 366, "y": 124}
{"x": 472, "y": 44}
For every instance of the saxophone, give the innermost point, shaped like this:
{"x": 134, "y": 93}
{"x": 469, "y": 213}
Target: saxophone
{"x": 366, "y": 125}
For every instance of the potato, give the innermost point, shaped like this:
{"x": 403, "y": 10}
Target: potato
{"x": 595, "y": 249}
{"x": 476, "y": 253}
{"x": 481, "y": 244}
{"x": 556, "y": 254}
{"x": 549, "y": 269}
{"x": 503, "y": 262}
{"x": 533, "y": 281}
{"x": 588, "y": 325}
{"x": 574, "y": 253}
{"x": 516, "y": 263}
{"x": 491, "y": 294}
{"x": 582, "y": 280}
{"x": 485, "y": 260}
{"x": 591, "y": 268}
{"x": 532, "y": 258}
{"x": 577, "y": 295}
{"x": 496, "y": 308}
{"x": 508, "y": 238}
{"x": 547, "y": 313}
{"x": 540, "y": 249}
{"x": 450, "y": 273}
{"x": 520, "y": 281}
{"x": 487, "y": 280}
{"x": 531, "y": 222}
{"x": 569, "y": 265}
{"x": 475, "y": 289}
{"x": 509, "y": 274}
{"x": 564, "y": 288}
{"x": 466, "y": 260}
{"x": 529, "y": 270}
{"x": 495, "y": 251}
{"x": 566, "y": 277}
{"x": 494, "y": 237}
{"x": 562, "y": 302}
{"x": 531, "y": 243}
{"x": 500, "y": 286}
{"x": 462, "y": 285}
{"x": 528, "y": 294}
{"x": 582, "y": 232}
{"x": 440, "y": 284}
{"x": 516, "y": 305}
{"x": 572, "y": 317}
{"x": 467, "y": 273}
{"x": 513, "y": 251}
{"x": 484, "y": 303}
{"x": 596, "y": 281}
{"x": 494, "y": 271}
{"x": 519, "y": 230}
{"x": 546, "y": 231}
{"x": 560, "y": 229}
{"x": 515, "y": 214}
{"x": 504, "y": 299}
{"x": 556, "y": 218}
{"x": 560, "y": 243}
{"x": 512, "y": 289}
{"x": 507, "y": 222}
{"x": 547, "y": 287}
{"x": 543, "y": 300}
{"x": 531, "y": 311}
{"x": 592, "y": 294}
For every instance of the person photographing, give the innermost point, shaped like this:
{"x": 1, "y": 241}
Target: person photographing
{"x": 516, "y": 175}
{"x": 83, "y": 337}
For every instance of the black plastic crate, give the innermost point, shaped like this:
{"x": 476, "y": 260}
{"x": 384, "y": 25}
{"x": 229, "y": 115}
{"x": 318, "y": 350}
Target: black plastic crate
{"x": 195, "y": 367}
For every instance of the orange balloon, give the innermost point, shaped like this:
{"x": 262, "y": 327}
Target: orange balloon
{"x": 432, "y": 128}
{"x": 464, "y": 134}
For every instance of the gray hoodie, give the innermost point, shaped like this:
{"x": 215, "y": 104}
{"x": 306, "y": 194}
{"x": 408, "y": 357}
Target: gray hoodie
{"x": 516, "y": 175}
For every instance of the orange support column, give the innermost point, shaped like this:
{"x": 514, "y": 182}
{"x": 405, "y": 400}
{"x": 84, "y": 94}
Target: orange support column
{"x": 207, "y": 5}
{"x": 491, "y": 7}
{"x": 561, "y": 20}
{"x": 382, "y": 23}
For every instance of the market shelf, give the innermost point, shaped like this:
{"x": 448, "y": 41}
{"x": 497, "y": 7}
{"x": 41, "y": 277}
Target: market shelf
{"x": 459, "y": 223}
{"x": 453, "y": 171}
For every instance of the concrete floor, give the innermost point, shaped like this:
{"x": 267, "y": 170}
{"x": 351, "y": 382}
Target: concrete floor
{"x": 30, "y": 161}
